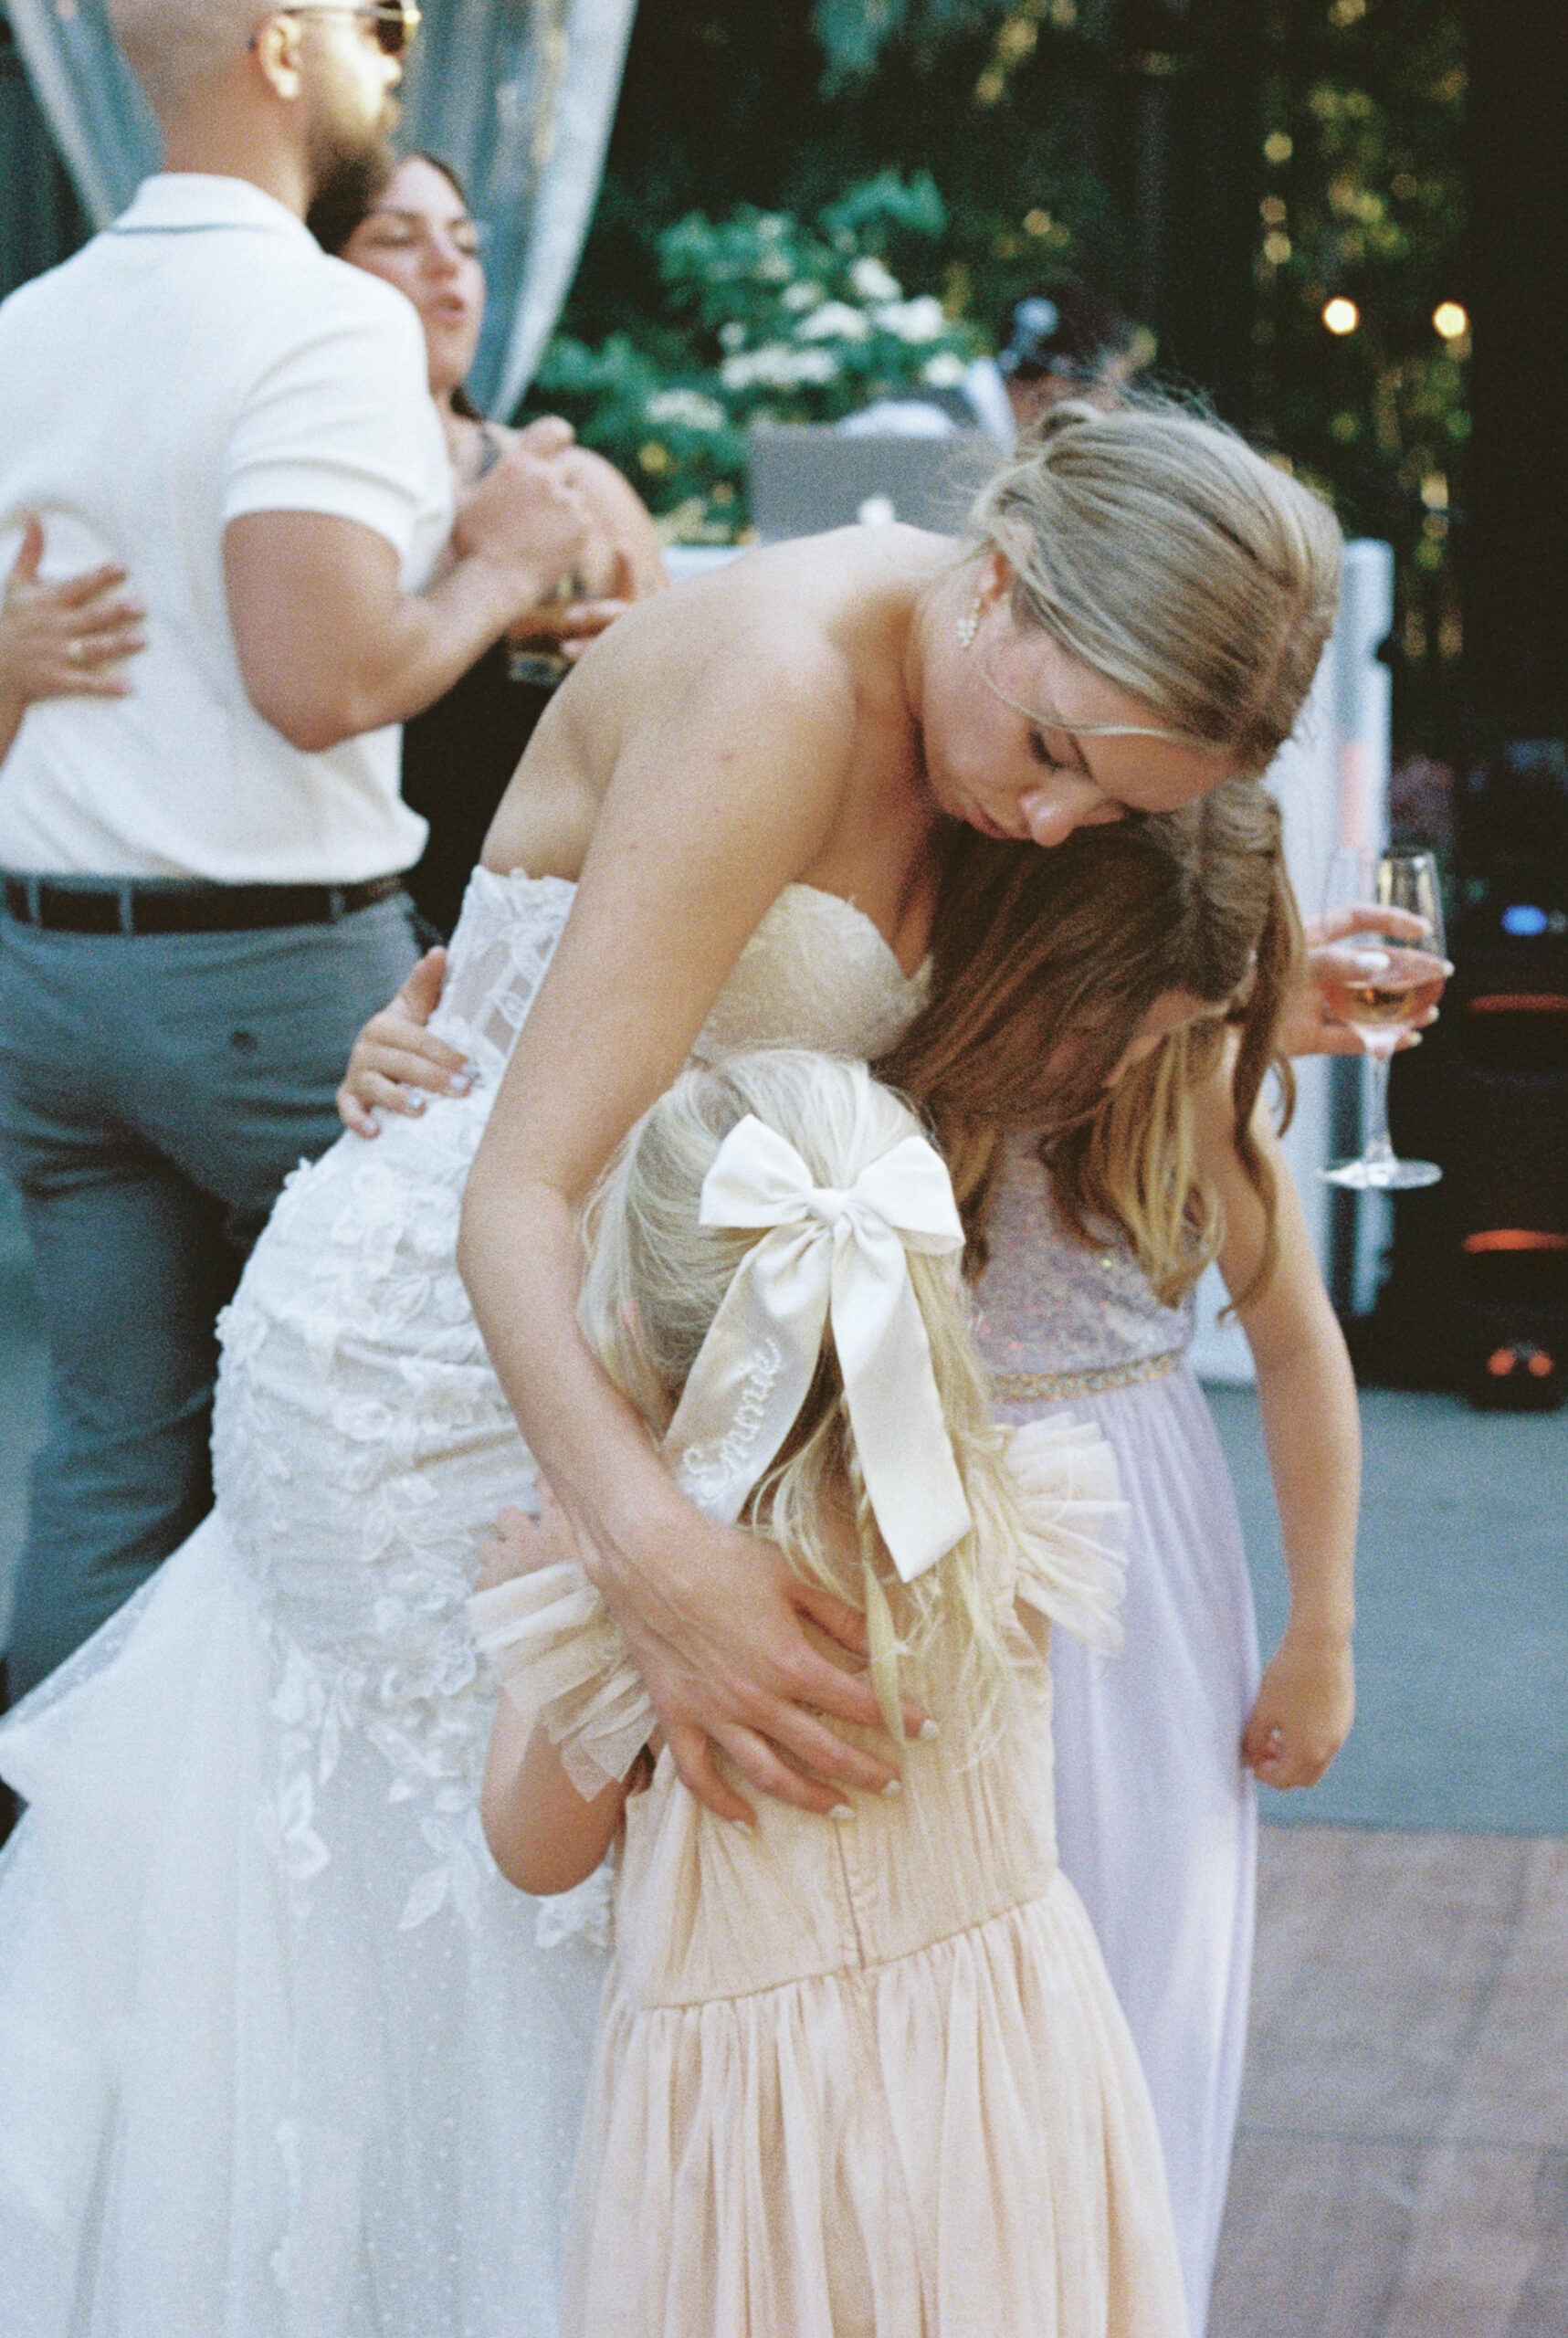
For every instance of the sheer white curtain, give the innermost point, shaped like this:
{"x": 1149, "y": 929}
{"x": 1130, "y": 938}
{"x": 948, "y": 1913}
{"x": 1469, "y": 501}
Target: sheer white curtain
{"x": 518, "y": 95}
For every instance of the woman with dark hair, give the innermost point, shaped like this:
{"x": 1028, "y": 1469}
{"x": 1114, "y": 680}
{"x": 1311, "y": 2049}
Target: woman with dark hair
{"x": 420, "y": 235}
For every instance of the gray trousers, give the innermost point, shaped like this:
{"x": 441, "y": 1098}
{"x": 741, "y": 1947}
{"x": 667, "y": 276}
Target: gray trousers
{"x": 155, "y": 1093}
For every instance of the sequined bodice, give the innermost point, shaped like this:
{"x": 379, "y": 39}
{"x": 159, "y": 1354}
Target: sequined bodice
{"x": 361, "y": 1443}
{"x": 1051, "y": 1309}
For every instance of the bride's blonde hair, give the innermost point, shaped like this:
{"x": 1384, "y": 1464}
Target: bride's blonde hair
{"x": 1158, "y": 548}
{"x": 653, "y": 1283}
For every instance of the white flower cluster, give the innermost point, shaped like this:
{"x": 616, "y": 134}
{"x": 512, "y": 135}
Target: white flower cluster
{"x": 776, "y": 366}
{"x": 913, "y": 321}
{"x": 834, "y": 320}
{"x": 685, "y": 410}
{"x": 872, "y": 281}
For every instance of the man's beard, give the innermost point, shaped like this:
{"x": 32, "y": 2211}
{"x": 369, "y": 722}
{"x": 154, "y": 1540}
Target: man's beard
{"x": 348, "y": 177}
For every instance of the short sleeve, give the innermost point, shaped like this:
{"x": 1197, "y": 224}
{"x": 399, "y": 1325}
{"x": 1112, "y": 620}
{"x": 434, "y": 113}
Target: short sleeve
{"x": 341, "y": 421}
{"x": 556, "y": 1652}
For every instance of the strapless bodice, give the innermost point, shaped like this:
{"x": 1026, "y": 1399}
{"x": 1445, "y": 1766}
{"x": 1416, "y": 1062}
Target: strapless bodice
{"x": 1054, "y": 1315}
{"x": 816, "y": 973}
{"x": 362, "y": 1442}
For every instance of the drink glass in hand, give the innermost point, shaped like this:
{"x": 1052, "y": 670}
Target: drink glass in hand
{"x": 1378, "y": 1008}
{"x": 538, "y": 658}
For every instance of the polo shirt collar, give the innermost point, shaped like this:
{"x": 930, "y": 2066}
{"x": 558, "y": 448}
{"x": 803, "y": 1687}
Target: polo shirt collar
{"x": 179, "y": 201}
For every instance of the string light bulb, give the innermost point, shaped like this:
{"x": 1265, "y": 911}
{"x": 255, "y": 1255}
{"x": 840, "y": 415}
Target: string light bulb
{"x": 1450, "y": 320}
{"x": 1340, "y": 316}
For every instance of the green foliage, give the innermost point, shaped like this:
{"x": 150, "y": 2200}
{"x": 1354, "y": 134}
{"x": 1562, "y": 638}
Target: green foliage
{"x": 857, "y": 34}
{"x": 987, "y": 145}
{"x": 754, "y": 125}
{"x": 1364, "y": 117}
{"x": 762, "y": 319}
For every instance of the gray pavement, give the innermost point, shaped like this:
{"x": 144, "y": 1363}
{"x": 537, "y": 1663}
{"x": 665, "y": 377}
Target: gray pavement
{"x": 1462, "y": 1631}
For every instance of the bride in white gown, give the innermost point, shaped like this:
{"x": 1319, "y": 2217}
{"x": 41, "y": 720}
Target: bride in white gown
{"x": 279, "y": 2054}
{"x": 308, "y": 2010}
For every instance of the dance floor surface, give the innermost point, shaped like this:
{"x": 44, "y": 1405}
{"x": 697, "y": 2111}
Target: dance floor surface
{"x": 1402, "y": 2165}
{"x": 1401, "y": 2169}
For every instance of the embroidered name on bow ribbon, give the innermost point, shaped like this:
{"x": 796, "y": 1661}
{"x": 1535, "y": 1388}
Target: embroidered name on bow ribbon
{"x": 833, "y": 1256}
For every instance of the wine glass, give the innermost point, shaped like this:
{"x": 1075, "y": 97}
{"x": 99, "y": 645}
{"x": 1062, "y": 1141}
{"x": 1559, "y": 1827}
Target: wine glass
{"x": 1380, "y": 1005}
{"x": 538, "y": 658}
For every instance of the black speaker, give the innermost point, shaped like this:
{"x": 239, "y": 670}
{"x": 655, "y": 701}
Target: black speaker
{"x": 1477, "y": 1292}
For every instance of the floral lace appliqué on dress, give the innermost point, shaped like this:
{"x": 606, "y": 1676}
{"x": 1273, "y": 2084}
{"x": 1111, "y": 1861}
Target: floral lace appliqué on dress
{"x": 282, "y": 2054}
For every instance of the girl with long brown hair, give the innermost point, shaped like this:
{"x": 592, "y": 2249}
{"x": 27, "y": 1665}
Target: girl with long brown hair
{"x": 1093, "y": 1202}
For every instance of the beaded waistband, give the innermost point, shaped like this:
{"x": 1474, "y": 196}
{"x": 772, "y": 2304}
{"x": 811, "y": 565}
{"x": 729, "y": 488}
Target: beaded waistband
{"x": 1044, "y": 1387}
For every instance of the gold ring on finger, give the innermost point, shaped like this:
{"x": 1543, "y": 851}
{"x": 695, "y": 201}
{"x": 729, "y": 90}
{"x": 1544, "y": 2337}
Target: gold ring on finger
{"x": 76, "y": 650}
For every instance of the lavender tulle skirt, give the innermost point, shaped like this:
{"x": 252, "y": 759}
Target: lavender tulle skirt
{"x": 1156, "y": 1819}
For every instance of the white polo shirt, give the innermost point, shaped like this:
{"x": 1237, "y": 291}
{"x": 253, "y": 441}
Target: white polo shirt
{"x": 200, "y": 359}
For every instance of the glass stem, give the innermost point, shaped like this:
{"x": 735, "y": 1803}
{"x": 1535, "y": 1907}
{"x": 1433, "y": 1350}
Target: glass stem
{"x": 1377, "y": 1146}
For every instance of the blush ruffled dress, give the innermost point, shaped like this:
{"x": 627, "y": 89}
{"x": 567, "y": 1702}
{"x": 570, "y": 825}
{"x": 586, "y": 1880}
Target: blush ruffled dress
{"x": 863, "y": 2079}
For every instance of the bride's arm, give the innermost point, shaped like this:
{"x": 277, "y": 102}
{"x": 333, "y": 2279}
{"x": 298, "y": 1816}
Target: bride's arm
{"x": 715, "y": 806}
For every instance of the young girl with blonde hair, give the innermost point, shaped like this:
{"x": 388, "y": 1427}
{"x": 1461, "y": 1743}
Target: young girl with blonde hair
{"x": 868, "y": 2078}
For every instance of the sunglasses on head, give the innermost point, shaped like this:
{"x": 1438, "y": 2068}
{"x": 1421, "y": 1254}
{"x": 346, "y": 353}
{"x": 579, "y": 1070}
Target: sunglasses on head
{"x": 393, "y": 22}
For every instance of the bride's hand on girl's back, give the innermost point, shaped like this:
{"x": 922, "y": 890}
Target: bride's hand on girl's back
{"x": 396, "y": 1062}
{"x": 700, "y": 1679}
{"x": 717, "y": 1634}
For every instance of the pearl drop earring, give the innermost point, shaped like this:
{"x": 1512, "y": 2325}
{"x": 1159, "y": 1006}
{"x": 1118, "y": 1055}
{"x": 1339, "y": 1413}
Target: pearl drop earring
{"x": 968, "y": 625}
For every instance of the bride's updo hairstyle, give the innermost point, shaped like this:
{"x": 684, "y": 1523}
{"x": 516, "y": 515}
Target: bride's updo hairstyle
{"x": 1169, "y": 555}
{"x": 1045, "y": 965}
{"x": 652, "y": 1285}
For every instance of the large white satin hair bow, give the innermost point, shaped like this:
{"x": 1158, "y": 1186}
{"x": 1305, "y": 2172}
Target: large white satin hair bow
{"x": 836, "y": 1255}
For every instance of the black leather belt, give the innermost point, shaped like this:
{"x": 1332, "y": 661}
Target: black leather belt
{"x": 138, "y": 905}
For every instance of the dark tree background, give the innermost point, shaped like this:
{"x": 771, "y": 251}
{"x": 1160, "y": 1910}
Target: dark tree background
{"x": 1224, "y": 168}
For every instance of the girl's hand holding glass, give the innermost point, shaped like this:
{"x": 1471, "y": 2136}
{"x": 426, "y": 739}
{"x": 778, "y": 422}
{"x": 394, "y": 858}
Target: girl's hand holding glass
{"x": 1337, "y": 952}
{"x": 1379, "y": 993}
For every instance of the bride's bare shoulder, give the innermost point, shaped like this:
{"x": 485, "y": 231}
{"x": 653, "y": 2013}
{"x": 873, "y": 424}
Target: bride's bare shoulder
{"x": 764, "y": 665}
{"x": 738, "y": 632}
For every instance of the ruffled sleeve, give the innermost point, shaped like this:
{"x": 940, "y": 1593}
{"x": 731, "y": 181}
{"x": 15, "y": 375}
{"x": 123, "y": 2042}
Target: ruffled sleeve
{"x": 1073, "y": 1556}
{"x": 555, "y": 1649}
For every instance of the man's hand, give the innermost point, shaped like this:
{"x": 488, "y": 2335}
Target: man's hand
{"x": 1310, "y": 1027}
{"x": 525, "y": 518}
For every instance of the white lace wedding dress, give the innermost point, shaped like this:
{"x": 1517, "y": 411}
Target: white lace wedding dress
{"x": 280, "y": 2054}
